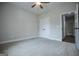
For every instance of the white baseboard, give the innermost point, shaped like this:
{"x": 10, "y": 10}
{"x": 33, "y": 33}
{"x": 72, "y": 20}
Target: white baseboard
{"x": 15, "y": 40}
{"x": 50, "y": 38}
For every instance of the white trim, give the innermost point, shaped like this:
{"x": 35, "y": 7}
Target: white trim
{"x": 67, "y": 12}
{"x": 53, "y": 39}
{"x": 50, "y": 38}
{"x": 61, "y": 19}
{"x": 15, "y": 40}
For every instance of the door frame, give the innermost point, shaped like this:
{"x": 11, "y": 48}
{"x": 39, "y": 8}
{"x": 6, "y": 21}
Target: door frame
{"x": 76, "y": 26}
{"x": 63, "y": 26}
{"x": 63, "y": 20}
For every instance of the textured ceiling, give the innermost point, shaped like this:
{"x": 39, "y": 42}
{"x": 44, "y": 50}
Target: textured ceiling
{"x": 37, "y": 10}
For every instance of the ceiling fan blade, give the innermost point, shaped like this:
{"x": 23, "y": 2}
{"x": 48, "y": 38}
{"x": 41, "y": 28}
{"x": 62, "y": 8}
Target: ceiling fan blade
{"x": 33, "y": 5}
{"x": 41, "y": 6}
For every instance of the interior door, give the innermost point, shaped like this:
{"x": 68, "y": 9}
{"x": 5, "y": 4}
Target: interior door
{"x": 77, "y": 26}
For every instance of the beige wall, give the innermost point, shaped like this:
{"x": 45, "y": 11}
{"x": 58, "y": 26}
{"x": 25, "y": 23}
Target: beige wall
{"x": 55, "y": 19}
{"x": 16, "y": 23}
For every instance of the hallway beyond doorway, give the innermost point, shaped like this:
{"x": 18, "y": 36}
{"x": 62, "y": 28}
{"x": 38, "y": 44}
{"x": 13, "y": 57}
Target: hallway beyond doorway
{"x": 69, "y": 38}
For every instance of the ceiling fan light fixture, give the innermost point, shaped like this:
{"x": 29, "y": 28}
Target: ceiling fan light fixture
{"x": 38, "y": 3}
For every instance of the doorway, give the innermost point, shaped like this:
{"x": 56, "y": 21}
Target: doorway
{"x": 68, "y": 23}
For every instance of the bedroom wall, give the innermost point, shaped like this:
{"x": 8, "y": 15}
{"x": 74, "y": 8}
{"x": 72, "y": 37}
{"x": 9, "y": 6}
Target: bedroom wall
{"x": 16, "y": 23}
{"x": 55, "y": 20}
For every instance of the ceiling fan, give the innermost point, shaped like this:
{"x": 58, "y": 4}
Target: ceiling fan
{"x": 40, "y": 4}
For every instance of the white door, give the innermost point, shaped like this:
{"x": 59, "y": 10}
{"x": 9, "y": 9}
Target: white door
{"x": 77, "y": 26}
{"x": 45, "y": 27}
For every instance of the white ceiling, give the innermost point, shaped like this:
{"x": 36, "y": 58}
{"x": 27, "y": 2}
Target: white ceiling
{"x": 37, "y": 10}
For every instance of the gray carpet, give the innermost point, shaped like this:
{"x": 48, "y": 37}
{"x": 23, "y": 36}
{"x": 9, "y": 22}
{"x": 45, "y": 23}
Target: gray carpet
{"x": 40, "y": 47}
